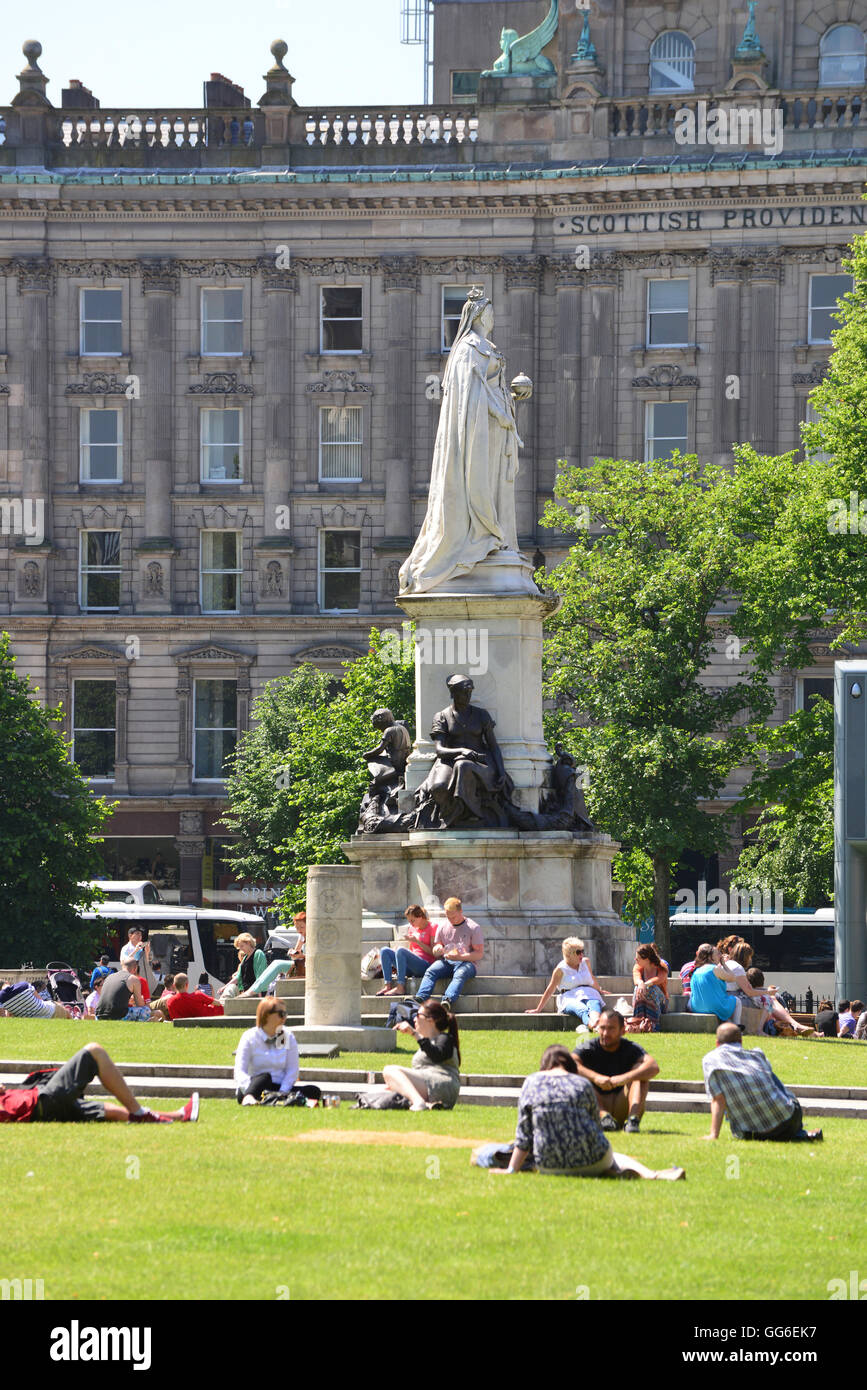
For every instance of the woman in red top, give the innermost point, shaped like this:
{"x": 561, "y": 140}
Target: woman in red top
{"x": 412, "y": 959}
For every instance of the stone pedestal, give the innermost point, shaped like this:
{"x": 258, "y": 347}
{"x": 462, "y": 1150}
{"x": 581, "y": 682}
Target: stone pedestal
{"x": 333, "y": 956}
{"x": 495, "y": 639}
{"x": 526, "y": 890}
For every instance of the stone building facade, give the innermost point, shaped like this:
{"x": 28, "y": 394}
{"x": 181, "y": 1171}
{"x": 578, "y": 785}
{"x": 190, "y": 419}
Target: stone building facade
{"x": 222, "y": 333}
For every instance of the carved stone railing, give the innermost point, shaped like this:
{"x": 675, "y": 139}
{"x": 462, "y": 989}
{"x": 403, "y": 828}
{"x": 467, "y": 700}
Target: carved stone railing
{"x": 104, "y": 130}
{"x": 652, "y": 117}
{"x": 357, "y": 126}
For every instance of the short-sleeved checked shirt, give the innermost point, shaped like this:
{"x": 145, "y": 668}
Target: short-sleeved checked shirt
{"x": 756, "y": 1100}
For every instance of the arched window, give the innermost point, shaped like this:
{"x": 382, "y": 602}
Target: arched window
{"x": 842, "y": 56}
{"x": 672, "y": 63}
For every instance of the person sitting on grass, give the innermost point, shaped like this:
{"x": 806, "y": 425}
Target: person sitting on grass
{"x": 779, "y": 1013}
{"x": 187, "y": 1003}
{"x": 860, "y": 1017}
{"x": 134, "y": 968}
{"x": 251, "y": 964}
{"x": 576, "y": 986}
{"x": 619, "y": 1071}
{"x": 558, "y": 1128}
{"x": 650, "y": 995}
{"x": 204, "y": 986}
{"x": 100, "y": 971}
{"x": 412, "y": 960}
{"x": 92, "y": 999}
{"x": 25, "y": 1001}
{"x": 740, "y": 1082}
{"x": 707, "y": 991}
{"x": 121, "y": 999}
{"x": 846, "y": 1020}
{"x": 267, "y": 1057}
{"x": 433, "y": 1079}
{"x": 826, "y": 1019}
{"x": 59, "y": 1097}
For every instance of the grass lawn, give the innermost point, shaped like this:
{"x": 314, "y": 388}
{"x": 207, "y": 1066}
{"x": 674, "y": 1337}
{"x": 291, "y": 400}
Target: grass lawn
{"x": 240, "y": 1207}
{"x": 816, "y": 1062}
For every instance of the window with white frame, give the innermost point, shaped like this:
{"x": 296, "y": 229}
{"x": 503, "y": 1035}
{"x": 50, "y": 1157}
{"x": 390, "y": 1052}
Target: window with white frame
{"x": 94, "y": 727}
{"x": 665, "y": 428}
{"x": 340, "y": 443}
{"x": 220, "y": 433}
{"x": 100, "y": 314}
{"x": 99, "y": 571}
{"x": 811, "y": 688}
{"x": 842, "y": 57}
{"x": 667, "y": 313}
{"x": 220, "y": 571}
{"x": 100, "y": 434}
{"x": 222, "y": 323}
{"x": 812, "y": 418}
{"x": 215, "y": 728}
{"x": 339, "y": 571}
{"x": 672, "y": 63}
{"x": 454, "y": 299}
{"x": 825, "y": 293}
{"x": 340, "y": 319}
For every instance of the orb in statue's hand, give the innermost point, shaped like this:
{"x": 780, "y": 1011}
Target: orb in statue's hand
{"x": 521, "y": 387}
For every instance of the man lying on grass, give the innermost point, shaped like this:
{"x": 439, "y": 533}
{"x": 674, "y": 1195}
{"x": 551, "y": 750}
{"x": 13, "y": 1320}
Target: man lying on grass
{"x": 559, "y": 1129}
{"x": 58, "y": 1095}
{"x": 741, "y": 1081}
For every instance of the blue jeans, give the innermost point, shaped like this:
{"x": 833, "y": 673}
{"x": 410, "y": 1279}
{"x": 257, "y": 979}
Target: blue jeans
{"x": 583, "y": 1008}
{"x": 408, "y": 963}
{"x": 460, "y": 971}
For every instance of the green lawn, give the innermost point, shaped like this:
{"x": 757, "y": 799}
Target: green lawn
{"x": 230, "y": 1209}
{"x": 814, "y": 1062}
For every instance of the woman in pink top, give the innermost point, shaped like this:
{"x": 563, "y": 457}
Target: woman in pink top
{"x": 412, "y": 959}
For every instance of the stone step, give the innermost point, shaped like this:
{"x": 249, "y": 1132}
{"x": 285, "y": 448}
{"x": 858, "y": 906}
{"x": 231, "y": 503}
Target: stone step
{"x": 671, "y": 1097}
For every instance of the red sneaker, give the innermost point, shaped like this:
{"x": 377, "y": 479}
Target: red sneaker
{"x": 150, "y": 1117}
{"x": 189, "y": 1113}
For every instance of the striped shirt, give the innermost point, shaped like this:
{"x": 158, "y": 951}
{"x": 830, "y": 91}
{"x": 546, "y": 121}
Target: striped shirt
{"x": 756, "y": 1100}
{"x": 22, "y": 1001}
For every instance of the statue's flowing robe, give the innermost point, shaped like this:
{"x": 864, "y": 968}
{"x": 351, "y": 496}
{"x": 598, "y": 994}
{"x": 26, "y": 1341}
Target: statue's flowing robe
{"x": 471, "y": 502}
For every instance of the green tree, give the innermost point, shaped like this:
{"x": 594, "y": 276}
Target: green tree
{"x": 792, "y": 844}
{"x": 663, "y": 551}
{"x": 49, "y": 832}
{"x": 298, "y": 779}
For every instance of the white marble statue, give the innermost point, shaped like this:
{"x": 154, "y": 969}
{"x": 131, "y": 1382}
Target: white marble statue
{"x": 471, "y": 502}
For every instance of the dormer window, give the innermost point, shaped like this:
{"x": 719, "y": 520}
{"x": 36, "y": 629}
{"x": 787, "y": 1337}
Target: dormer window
{"x": 672, "y": 63}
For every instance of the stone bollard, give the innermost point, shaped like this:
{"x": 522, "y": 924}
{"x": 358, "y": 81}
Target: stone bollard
{"x": 332, "y": 996}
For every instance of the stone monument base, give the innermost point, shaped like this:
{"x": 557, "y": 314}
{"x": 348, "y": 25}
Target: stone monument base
{"x": 349, "y": 1039}
{"x": 527, "y": 890}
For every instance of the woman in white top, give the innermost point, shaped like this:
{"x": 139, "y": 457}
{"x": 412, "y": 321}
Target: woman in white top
{"x": 577, "y": 988}
{"x": 267, "y": 1057}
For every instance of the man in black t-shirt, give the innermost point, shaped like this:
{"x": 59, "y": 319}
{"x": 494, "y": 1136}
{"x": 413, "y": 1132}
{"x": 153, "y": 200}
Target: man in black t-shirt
{"x": 620, "y": 1071}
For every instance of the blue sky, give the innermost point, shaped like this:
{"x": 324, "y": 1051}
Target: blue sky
{"x": 159, "y": 52}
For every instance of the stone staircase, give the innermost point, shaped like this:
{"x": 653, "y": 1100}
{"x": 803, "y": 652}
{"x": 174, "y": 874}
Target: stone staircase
{"x": 488, "y": 1001}
{"x": 215, "y": 1082}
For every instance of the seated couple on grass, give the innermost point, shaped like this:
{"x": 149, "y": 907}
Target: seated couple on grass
{"x": 559, "y": 1132}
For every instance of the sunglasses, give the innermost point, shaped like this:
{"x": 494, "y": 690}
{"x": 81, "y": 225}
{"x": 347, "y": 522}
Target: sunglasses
{"x": 280, "y": 1013}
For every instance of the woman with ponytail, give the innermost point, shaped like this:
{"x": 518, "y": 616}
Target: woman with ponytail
{"x": 433, "y": 1081}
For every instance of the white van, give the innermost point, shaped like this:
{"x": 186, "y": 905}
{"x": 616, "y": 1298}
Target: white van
{"x": 192, "y": 940}
{"x": 123, "y": 890}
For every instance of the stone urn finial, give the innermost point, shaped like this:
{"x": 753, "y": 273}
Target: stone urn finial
{"x": 31, "y": 80}
{"x": 278, "y": 80}
{"x": 279, "y": 49}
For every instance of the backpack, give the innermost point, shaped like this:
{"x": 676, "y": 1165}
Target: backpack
{"x": 380, "y": 1098}
{"x": 404, "y": 1012}
{"x": 371, "y": 969}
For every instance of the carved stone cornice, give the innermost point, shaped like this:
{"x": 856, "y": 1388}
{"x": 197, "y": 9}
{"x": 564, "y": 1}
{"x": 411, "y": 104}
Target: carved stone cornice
{"x": 221, "y": 384}
{"x": 663, "y": 377}
{"x": 326, "y": 653}
{"x": 339, "y": 381}
{"x": 524, "y": 272}
{"x": 86, "y": 653}
{"x": 462, "y": 265}
{"x": 809, "y": 255}
{"x": 565, "y": 272}
{"x": 329, "y": 265}
{"x": 741, "y": 266}
{"x": 97, "y": 384}
{"x": 814, "y": 377}
{"x": 210, "y": 651}
{"x": 400, "y": 272}
{"x": 231, "y": 269}
{"x": 98, "y": 269}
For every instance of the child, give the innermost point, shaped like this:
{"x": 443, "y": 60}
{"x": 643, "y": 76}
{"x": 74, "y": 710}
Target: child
{"x": 757, "y": 979}
{"x": 204, "y": 987}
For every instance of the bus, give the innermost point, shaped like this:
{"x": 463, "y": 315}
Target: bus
{"x": 795, "y": 950}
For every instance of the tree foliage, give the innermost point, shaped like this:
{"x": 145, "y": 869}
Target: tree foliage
{"x": 49, "y": 829}
{"x": 671, "y": 549}
{"x": 297, "y": 778}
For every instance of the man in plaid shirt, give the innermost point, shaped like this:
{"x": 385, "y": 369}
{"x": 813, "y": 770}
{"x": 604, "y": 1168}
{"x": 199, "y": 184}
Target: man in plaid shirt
{"x": 741, "y": 1082}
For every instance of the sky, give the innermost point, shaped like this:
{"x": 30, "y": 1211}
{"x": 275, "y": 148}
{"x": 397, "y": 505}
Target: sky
{"x": 159, "y": 52}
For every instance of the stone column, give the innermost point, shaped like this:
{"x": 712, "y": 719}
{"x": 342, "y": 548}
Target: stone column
{"x": 765, "y": 276}
{"x": 726, "y": 359}
{"x": 523, "y": 281}
{"x": 159, "y": 286}
{"x": 400, "y": 282}
{"x": 568, "y": 369}
{"x": 332, "y": 996}
{"x": 599, "y": 382}
{"x": 35, "y": 283}
{"x": 272, "y": 554}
